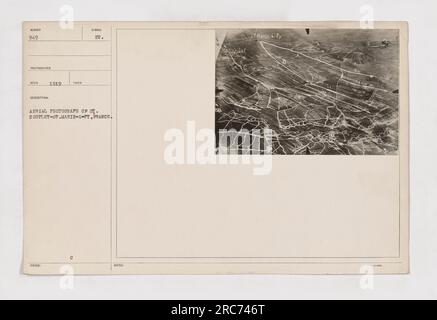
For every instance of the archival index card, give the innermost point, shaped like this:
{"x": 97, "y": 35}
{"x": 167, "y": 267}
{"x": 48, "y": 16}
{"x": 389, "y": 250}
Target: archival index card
{"x": 216, "y": 148}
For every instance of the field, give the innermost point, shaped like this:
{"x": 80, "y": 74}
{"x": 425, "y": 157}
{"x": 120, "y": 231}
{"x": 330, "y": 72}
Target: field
{"x": 321, "y": 91}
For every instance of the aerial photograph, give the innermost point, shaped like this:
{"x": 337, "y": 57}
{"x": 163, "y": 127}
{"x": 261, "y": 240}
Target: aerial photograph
{"x": 320, "y": 91}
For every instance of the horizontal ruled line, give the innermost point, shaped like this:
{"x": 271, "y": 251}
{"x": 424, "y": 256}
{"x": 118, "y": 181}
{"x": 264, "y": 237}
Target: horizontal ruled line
{"x": 72, "y": 85}
{"x": 48, "y": 70}
{"x": 69, "y": 40}
{"x": 69, "y": 55}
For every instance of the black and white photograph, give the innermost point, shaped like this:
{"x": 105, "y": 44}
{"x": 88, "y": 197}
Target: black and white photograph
{"x": 321, "y": 91}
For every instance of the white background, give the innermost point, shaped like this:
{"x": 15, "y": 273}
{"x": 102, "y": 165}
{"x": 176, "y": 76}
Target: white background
{"x": 422, "y": 281}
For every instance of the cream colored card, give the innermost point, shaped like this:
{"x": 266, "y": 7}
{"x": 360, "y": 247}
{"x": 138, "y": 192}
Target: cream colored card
{"x": 216, "y": 148}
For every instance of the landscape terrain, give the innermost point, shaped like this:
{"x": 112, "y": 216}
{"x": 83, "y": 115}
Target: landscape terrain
{"x": 321, "y": 91}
